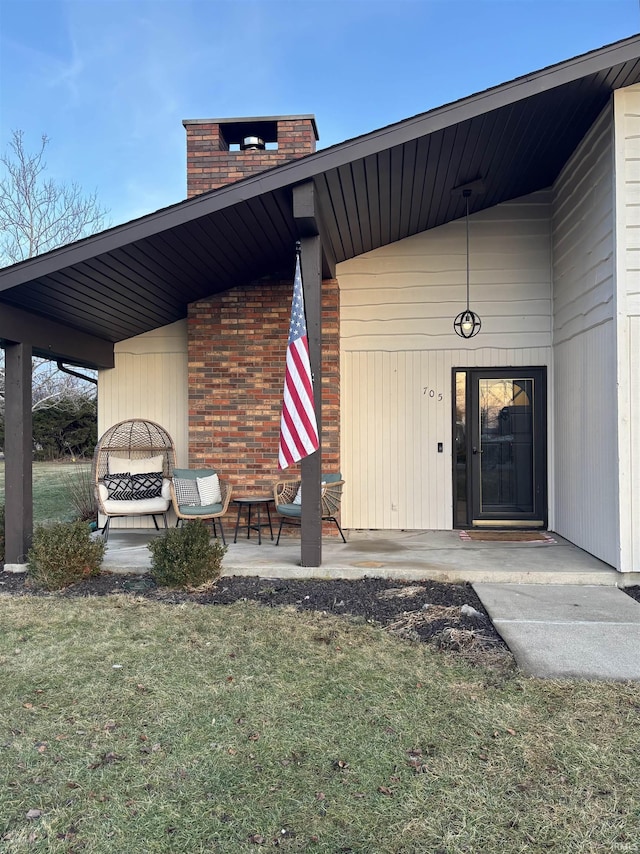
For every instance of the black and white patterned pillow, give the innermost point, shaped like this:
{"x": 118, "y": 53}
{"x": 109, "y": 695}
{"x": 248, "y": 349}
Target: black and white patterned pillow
{"x": 187, "y": 494}
{"x": 147, "y": 485}
{"x": 133, "y": 487}
{"x": 118, "y": 486}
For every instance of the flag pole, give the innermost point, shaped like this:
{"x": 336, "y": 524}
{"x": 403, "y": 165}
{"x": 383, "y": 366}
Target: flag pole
{"x": 299, "y": 435}
{"x": 311, "y": 534}
{"x": 306, "y": 217}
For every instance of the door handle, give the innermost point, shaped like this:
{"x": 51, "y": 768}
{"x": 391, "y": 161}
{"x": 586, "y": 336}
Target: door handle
{"x": 476, "y": 451}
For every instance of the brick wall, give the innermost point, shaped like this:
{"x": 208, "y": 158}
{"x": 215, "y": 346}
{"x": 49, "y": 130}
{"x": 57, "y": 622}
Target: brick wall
{"x": 237, "y": 348}
{"x": 211, "y": 164}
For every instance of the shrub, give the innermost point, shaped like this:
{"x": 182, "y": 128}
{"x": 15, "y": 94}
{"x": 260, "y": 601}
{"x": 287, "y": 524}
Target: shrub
{"x": 66, "y": 429}
{"x": 62, "y": 554}
{"x": 186, "y": 557}
{"x": 80, "y": 489}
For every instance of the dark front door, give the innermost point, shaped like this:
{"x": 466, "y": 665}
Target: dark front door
{"x": 501, "y": 447}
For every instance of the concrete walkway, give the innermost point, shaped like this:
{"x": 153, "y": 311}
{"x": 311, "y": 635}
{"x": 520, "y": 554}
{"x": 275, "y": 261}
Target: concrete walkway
{"x": 567, "y": 631}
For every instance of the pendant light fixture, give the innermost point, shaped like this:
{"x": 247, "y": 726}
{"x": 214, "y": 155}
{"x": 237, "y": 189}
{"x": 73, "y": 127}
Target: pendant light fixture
{"x": 467, "y": 323}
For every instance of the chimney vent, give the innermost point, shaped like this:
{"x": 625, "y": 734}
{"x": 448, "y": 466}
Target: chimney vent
{"x": 252, "y": 143}
{"x": 222, "y": 151}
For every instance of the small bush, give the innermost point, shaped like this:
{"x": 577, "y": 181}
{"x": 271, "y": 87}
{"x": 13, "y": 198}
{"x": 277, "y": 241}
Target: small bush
{"x": 63, "y": 554}
{"x": 80, "y": 489}
{"x": 186, "y": 557}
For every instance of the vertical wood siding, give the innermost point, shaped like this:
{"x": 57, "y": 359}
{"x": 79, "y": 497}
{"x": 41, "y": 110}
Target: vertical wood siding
{"x": 627, "y": 162}
{"x": 631, "y": 556}
{"x": 586, "y": 508}
{"x": 585, "y": 448}
{"x": 149, "y": 380}
{"x": 397, "y": 340}
{"x": 395, "y": 476}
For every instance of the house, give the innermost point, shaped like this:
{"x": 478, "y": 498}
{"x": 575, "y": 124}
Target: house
{"x": 535, "y": 421}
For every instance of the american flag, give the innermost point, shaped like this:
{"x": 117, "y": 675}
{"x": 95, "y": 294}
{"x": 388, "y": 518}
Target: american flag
{"x": 298, "y": 425}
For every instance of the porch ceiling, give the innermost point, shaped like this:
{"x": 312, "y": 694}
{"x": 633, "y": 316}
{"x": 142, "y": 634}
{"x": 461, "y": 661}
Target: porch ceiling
{"x": 372, "y": 190}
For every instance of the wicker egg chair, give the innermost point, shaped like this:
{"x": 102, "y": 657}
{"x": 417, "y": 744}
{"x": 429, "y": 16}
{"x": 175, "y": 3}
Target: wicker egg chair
{"x": 129, "y": 447}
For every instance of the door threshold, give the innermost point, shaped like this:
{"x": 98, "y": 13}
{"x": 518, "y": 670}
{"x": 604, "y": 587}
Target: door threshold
{"x": 505, "y": 523}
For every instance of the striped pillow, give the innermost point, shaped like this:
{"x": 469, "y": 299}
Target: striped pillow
{"x": 209, "y": 490}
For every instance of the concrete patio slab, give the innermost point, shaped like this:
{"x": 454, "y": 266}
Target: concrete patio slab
{"x": 412, "y": 555}
{"x": 567, "y": 631}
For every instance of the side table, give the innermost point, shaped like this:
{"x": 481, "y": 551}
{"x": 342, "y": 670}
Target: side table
{"x": 256, "y": 501}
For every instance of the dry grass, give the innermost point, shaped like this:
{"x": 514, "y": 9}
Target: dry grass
{"x": 51, "y": 484}
{"x": 130, "y": 726}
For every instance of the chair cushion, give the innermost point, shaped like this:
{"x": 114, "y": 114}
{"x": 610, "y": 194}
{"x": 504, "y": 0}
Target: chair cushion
{"x": 209, "y": 489}
{"x": 294, "y": 510}
{"x": 186, "y": 491}
{"x": 207, "y": 510}
{"x": 144, "y": 507}
{"x": 122, "y": 465}
{"x": 192, "y": 474}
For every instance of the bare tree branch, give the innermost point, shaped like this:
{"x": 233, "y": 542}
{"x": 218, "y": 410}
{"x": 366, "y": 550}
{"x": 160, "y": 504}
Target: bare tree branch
{"x": 52, "y": 387}
{"x": 38, "y": 214}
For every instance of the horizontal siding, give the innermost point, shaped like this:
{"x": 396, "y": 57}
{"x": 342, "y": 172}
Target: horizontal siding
{"x": 583, "y": 241}
{"x": 149, "y": 381}
{"x": 584, "y": 347}
{"x": 630, "y": 168}
{"x": 395, "y": 477}
{"x": 405, "y": 296}
{"x": 628, "y": 127}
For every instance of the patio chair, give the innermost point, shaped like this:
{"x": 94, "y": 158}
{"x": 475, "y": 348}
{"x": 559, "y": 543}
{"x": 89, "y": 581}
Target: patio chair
{"x": 132, "y": 468}
{"x": 286, "y": 495}
{"x": 200, "y": 494}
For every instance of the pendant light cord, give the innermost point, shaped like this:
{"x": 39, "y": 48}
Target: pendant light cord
{"x": 467, "y": 323}
{"x": 467, "y": 193}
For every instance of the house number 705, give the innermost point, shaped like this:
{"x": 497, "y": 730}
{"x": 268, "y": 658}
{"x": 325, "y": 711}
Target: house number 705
{"x": 431, "y": 392}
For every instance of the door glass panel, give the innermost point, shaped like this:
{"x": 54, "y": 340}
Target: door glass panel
{"x": 460, "y": 450}
{"x": 506, "y": 445}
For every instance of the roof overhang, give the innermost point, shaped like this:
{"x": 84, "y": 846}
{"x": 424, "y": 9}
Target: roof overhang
{"x": 371, "y": 191}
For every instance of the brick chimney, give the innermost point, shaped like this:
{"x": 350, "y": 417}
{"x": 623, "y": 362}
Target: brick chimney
{"x": 221, "y": 151}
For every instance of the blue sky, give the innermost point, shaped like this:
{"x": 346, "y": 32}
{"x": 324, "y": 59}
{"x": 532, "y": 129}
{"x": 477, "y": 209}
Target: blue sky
{"x": 109, "y": 81}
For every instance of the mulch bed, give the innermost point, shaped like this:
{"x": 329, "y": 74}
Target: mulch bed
{"x": 448, "y": 615}
{"x": 634, "y": 592}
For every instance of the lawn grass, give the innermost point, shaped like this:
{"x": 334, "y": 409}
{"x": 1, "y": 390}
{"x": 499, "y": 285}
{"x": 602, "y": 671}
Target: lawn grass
{"x": 134, "y": 726}
{"x": 51, "y": 501}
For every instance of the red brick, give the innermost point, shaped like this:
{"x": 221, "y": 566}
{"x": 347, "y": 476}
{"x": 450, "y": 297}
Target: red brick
{"x": 220, "y": 166}
{"x": 235, "y": 383}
